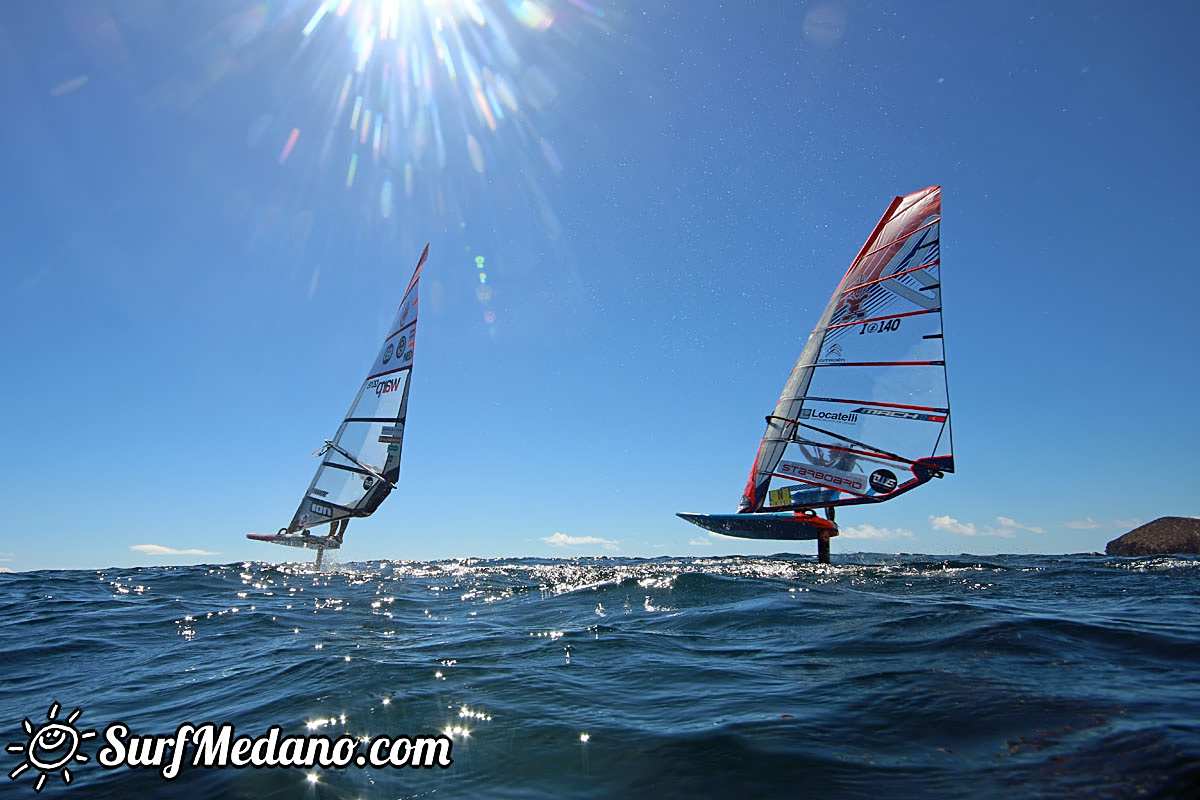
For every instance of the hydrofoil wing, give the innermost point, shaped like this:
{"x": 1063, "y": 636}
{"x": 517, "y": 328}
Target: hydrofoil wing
{"x": 305, "y": 540}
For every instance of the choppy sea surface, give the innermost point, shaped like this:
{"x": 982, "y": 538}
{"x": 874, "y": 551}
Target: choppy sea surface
{"x": 876, "y": 676}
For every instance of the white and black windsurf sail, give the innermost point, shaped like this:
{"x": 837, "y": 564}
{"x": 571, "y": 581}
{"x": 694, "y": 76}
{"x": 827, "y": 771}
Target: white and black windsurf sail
{"x": 865, "y": 414}
{"x": 361, "y": 463}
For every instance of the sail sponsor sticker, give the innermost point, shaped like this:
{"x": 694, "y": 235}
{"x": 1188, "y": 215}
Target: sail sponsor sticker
{"x": 832, "y": 354}
{"x": 825, "y": 476}
{"x": 896, "y": 413}
{"x": 391, "y": 434}
{"x": 387, "y": 385}
{"x": 780, "y": 497}
{"x": 848, "y": 417}
{"x": 883, "y": 481}
{"x": 800, "y": 494}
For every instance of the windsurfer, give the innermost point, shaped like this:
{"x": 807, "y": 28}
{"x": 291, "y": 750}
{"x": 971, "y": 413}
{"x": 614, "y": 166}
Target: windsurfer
{"x": 829, "y": 457}
{"x": 337, "y": 528}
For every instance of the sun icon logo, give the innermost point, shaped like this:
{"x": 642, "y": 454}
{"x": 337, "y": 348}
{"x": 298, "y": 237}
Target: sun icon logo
{"x": 52, "y": 747}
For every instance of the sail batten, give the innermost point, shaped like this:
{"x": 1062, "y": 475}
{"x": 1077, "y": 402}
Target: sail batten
{"x": 900, "y": 315}
{"x": 901, "y": 238}
{"x": 899, "y": 274}
{"x": 875, "y": 403}
{"x": 884, "y": 364}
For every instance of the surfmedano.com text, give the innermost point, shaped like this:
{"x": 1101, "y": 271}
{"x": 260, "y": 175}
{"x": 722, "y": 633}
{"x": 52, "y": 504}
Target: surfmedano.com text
{"x": 211, "y": 745}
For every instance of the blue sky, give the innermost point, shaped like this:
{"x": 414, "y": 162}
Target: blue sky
{"x": 664, "y": 198}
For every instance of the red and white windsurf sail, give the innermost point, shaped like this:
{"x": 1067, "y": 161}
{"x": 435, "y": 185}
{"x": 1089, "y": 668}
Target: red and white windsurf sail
{"x": 865, "y": 414}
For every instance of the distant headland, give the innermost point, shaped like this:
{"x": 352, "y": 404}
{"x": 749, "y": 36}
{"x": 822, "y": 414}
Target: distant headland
{"x": 1163, "y": 536}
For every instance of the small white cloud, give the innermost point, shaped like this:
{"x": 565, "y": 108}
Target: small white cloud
{"x": 871, "y": 532}
{"x": 6, "y": 556}
{"x": 701, "y": 541}
{"x": 560, "y": 539}
{"x": 951, "y": 525}
{"x": 159, "y": 550}
{"x": 1009, "y": 522}
{"x": 1091, "y": 524}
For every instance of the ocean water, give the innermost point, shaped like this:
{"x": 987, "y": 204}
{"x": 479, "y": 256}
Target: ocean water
{"x": 878, "y": 676}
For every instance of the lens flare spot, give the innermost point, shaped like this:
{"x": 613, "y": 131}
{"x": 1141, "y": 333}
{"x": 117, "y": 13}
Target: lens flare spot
{"x": 476, "y": 153}
{"x": 344, "y": 95}
{"x": 317, "y": 16}
{"x": 385, "y": 199}
{"x": 474, "y": 12}
{"x": 531, "y": 14}
{"x": 69, "y": 86}
{"x": 551, "y": 156}
{"x": 288, "y": 145}
{"x": 485, "y": 109}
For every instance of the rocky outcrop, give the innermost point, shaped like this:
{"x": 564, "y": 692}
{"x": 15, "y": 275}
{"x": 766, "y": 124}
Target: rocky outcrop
{"x": 1163, "y": 536}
